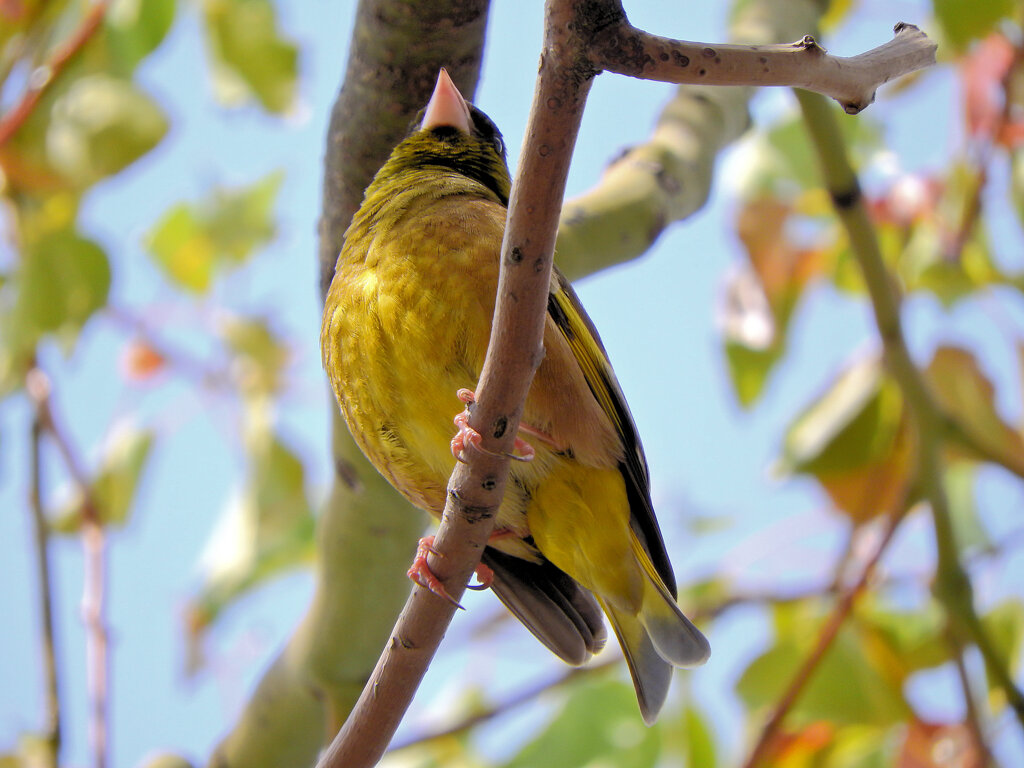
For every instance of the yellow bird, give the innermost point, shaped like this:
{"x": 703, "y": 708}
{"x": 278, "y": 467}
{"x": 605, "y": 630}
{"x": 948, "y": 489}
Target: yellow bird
{"x": 405, "y": 330}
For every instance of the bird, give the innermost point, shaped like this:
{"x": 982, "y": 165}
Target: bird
{"x": 405, "y": 329}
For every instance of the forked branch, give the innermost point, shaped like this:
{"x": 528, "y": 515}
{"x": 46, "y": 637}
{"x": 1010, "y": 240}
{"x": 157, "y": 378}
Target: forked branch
{"x": 579, "y": 41}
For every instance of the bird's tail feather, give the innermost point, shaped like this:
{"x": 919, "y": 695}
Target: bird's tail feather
{"x": 655, "y": 639}
{"x": 674, "y": 636}
{"x": 651, "y": 674}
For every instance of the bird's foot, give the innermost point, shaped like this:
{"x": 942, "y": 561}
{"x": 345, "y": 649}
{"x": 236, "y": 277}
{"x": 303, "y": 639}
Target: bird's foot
{"x": 420, "y": 572}
{"x": 469, "y": 436}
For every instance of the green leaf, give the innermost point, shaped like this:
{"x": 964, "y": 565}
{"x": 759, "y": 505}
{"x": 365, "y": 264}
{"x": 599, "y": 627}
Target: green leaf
{"x": 749, "y": 369}
{"x": 699, "y": 740}
{"x": 241, "y": 220}
{"x": 114, "y": 487}
{"x": 1005, "y": 627}
{"x": 181, "y": 246}
{"x": 965, "y": 20}
{"x": 101, "y": 125}
{"x": 260, "y": 354}
{"x": 599, "y": 724}
{"x": 133, "y": 30}
{"x": 264, "y": 531}
{"x": 250, "y": 54}
{"x": 960, "y": 480}
{"x": 966, "y": 394}
{"x": 782, "y": 161}
{"x": 191, "y": 242}
{"x": 63, "y": 279}
{"x": 853, "y": 423}
{"x": 846, "y": 688}
{"x": 903, "y": 641}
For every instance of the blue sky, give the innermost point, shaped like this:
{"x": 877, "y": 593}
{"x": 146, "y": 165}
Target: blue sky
{"x": 656, "y": 316}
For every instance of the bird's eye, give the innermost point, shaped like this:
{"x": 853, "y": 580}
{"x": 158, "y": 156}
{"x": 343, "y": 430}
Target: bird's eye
{"x": 499, "y": 145}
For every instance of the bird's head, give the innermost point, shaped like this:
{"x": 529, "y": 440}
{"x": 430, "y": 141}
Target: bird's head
{"x": 451, "y": 134}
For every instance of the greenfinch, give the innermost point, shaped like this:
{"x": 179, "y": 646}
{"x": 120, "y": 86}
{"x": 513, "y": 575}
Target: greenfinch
{"x": 405, "y": 330}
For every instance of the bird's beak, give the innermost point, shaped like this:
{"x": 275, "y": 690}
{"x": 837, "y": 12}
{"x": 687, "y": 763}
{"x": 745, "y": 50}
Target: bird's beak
{"x": 446, "y": 106}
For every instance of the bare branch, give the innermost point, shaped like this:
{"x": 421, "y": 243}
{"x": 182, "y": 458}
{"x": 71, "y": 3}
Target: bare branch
{"x": 94, "y": 589}
{"x": 51, "y": 730}
{"x": 515, "y": 349}
{"x": 805, "y": 64}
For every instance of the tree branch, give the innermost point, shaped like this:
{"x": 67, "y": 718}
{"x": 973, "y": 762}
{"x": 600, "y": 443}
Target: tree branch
{"x": 952, "y": 586}
{"x": 825, "y": 638}
{"x": 94, "y": 588}
{"x": 805, "y": 64}
{"x": 568, "y": 63}
{"x": 43, "y": 77}
{"x": 51, "y": 730}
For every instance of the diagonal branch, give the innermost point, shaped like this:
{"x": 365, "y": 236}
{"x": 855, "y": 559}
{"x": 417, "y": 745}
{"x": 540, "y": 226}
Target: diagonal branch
{"x": 95, "y": 583}
{"x": 825, "y": 638}
{"x": 568, "y": 64}
{"x": 51, "y": 731}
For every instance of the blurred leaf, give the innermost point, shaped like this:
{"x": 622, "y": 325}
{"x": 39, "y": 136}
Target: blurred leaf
{"x": 62, "y": 280}
{"x": 265, "y": 531}
{"x": 902, "y": 642}
{"x": 852, "y": 423}
{"x": 260, "y": 355}
{"x": 250, "y": 54}
{"x": 598, "y": 724}
{"x": 101, "y": 125}
{"x": 241, "y": 220}
{"x": 846, "y": 688}
{"x": 698, "y": 740}
{"x": 1005, "y": 627}
{"x": 800, "y": 747}
{"x": 970, "y": 534}
{"x": 183, "y": 249}
{"x": 760, "y": 300}
{"x": 192, "y": 241}
{"x": 134, "y": 28}
{"x": 782, "y": 163}
{"x": 966, "y": 394}
{"x": 1017, "y": 183}
{"x": 140, "y": 362}
{"x": 113, "y": 489}
{"x": 856, "y": 441}
{"x": 938, "y": 745}
{"x": 965, "y": 20}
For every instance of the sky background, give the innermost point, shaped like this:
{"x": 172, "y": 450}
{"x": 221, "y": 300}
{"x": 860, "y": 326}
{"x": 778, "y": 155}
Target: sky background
{"x": 657, "y": 316}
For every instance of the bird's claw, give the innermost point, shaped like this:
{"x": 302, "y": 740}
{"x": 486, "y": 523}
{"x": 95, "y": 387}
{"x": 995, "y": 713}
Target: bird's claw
{"x": 466, "y": 435}
{"x": 420, "y": 572}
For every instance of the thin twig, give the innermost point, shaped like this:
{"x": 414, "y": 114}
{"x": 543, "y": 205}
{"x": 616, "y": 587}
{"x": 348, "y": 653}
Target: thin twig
{"x": 94, "y": 587}
{"x": 43, "y": 77}
{"x": 952, "y": 586}
{"x": 825, "y": 637}
{"x": 51, "y": 730}
{"x": 981, "y": 750}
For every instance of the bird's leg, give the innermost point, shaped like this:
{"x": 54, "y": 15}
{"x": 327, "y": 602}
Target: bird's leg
{"x": 469, "y": 436}
{"x": 420, "y": 572}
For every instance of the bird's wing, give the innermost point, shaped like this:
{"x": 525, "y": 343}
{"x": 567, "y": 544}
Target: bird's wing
{"x": 575, "y": 329}
{"x": 560, "y": 613}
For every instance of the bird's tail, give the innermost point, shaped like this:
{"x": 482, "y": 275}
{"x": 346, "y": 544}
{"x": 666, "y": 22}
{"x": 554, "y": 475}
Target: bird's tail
{"x": 656, "y": 638}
